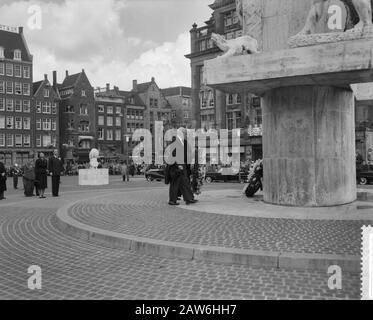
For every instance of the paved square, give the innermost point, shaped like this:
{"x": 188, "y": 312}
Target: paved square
{"x": 74, "y": 268}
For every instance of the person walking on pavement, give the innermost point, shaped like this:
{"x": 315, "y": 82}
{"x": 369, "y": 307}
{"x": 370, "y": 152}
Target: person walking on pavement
{"x": 16, "y": 172}
{"x": 124, "y": 170}
{"x": 41, "y": 174}
{"x": 55, "y": 169}
{"x": 179, "y": 174}
{"x": 2, "y": 181}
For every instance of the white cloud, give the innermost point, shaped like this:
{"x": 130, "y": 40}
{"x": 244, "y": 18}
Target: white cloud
{"x": 88, "y": 34}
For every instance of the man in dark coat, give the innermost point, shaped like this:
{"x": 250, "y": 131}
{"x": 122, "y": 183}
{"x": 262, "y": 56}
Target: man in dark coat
{"x": 178, "y": 175}
{"x": 2, "y": 181}
{"x": 55, "y": 169}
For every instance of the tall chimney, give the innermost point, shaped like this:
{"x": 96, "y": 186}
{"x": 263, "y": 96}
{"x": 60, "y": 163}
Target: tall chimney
{"x": 67, "y": 73}
{"x": 54, "y": 79}
{"x": 45, "y": 77}
{"x": 134, "y": 85}
{"x": 153, "y": 79}
{"x": 107, "y": 87}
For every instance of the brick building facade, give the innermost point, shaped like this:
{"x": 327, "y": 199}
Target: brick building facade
{"x": 16, "y": 114}
{"x": 181, "y": 106}
{"x": 77, "y": 116}
{"x": 157, "y": 106}
{"x": 110, "y": 123}
{"x": 46, "y": 100}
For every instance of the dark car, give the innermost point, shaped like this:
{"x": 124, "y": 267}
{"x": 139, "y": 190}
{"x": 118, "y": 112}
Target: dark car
{"x": 365, "y": 176}
{"x": 219, "y": 176}
{"x": 154, "y": 174}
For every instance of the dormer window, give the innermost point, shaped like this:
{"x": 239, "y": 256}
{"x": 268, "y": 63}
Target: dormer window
{"x": 2, "y": 53}
{"x": 17, "y": 55}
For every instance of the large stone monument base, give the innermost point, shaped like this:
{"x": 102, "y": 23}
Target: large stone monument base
{"x": 308, "y": 116}
{"x": 93, "y": 177}
{"x": 309, "y": 146}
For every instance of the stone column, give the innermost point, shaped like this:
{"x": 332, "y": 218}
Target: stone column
{"x": 309, "y": 146}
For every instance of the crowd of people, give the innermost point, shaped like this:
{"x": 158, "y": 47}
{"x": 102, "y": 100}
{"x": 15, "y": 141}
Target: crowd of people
{"x": 34, "y": 175}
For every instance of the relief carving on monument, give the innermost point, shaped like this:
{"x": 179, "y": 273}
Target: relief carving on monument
{"x": 250, "y": 14}
{"x": 334, "y": 21}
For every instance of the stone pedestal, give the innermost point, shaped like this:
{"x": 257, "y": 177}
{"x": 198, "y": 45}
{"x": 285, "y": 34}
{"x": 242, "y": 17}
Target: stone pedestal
{"x": 309, "y": 146}
{"x": 93, "y": 177}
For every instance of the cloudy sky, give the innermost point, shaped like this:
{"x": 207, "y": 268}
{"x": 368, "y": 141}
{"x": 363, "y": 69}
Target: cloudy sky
{"x": 115, "y": 41}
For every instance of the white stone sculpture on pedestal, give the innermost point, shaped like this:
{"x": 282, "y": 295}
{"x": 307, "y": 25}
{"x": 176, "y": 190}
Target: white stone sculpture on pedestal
{"x": 93, "y": 176}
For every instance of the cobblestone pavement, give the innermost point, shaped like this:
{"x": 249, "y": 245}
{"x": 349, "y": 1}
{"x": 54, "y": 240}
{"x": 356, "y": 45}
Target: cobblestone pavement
{"x": 145, "y": 214}
{"x": 74, "y": 269}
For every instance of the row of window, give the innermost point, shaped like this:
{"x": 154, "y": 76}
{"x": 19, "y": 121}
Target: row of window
{"x": 21, "y": 158}
{"x": 16, "y": 105}
{"x": 233, "y": 99}
{"x": 46, "y": 107}
{"x": 132, "y": 127}
{"x": 46, "y": 124}
{"x": 233, "y": 120}
{"x": 230, "y": 18}
{"x": 83, "y": 109}
{"x": 135, "y": 114}
{"x": 173, "y": 114}
{"x": 159, "y": 116}
{"x": 15, "y": 70}
{"x": 17, "y": 88}
{"x": 109, "y": 134}
{"x": 17, "y": 140}
{"x": 17, "y": 54}
{"x": 46, "y": 141}
{"x": 153, "y": 102}
{"x": 17, "y": 123}
{"x": 109, "y": 121}
{"x": 109, "y": 109}
{"x": 207, "y": 99}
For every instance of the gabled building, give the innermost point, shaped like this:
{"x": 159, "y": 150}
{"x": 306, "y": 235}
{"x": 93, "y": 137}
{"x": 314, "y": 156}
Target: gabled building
{"x": 46, "y": 127}
{"x": 181, "y": 106}
{"x": 77, "y": 116}
{"x": 16, "y": 114}
{"x": 157, "y": 106}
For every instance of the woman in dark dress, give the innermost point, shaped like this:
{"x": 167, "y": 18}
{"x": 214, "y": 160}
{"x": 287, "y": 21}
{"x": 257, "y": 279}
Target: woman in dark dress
{"x": 2, "y": 181}
{"x": 29, "y": 178}
{"x": 41, "y": 174}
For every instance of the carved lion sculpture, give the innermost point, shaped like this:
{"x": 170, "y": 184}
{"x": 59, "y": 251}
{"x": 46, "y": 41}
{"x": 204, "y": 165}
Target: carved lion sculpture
{"x": 235, "y": 47}
{"x": 363, "y": 8}
{"x": 93, "y": 156}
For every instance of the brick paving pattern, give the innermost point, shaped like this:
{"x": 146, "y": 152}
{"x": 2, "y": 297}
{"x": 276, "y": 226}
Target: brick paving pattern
{"x": 74, "y": 269}
{"x": 146, "y": 214}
